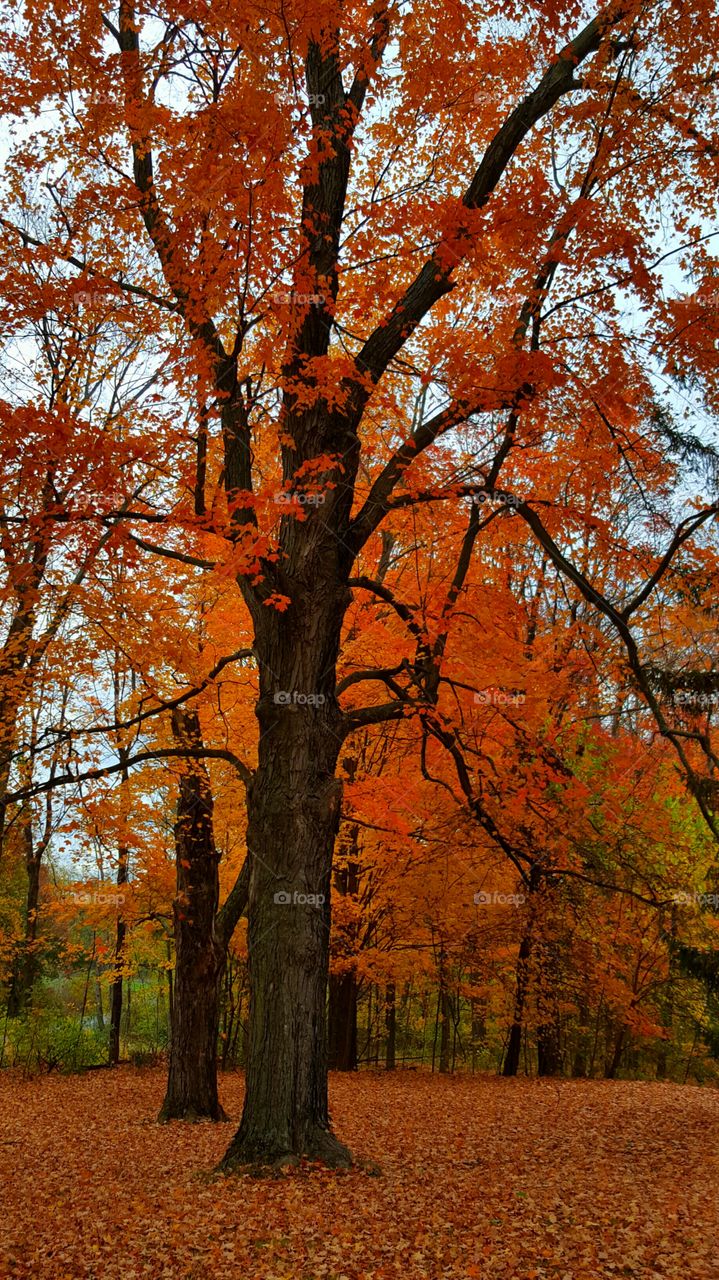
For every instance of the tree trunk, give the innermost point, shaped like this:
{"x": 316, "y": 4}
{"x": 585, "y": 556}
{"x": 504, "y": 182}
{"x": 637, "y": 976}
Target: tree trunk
{"x": 579, "y": 1061}
{"x": 667, "y": 1006}
{"x": 123, "y": 869}
{"x": 13, "y": 679}
{"x": 199, "y": 956}
{"x": 614, "y": 1062}
{"x": 512, "y": 1055}
{"x": 479, "y": 1027}
{"x": 293, "y": 804}
{"x": 344, "y": 990}
{"x": 445, "y": 1026}
{"x": 25, "y": 967}
{"x": 510, "y": 1065}
{"x": 117, "y": 981}
{"x": 99, "y": 1010}
{"x": 549, "y": 1058}
{"x": 391, "y": 1024}
{"x": 342, "y": 1017}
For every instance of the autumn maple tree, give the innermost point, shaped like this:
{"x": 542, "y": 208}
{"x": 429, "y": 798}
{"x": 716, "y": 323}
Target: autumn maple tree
{"x": 400, "y": 276}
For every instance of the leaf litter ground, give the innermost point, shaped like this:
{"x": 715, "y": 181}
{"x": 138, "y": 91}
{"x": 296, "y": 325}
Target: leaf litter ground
{"x": 459, "y": 1178}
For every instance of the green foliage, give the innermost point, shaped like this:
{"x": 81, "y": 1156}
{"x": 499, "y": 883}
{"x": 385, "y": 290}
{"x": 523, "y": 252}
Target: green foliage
{"x": 45, "y": 1041}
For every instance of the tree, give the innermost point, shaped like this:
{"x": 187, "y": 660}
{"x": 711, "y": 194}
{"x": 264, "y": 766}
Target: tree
{"x": 202, "y": 936}
{"x": 381, "y": 347}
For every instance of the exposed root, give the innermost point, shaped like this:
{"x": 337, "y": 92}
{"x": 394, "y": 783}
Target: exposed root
{"x": 267, "y": 1159}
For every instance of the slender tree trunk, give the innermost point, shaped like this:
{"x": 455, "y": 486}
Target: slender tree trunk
{"x": 513, "y": 1052}
{"x": 228, "y": 1011}
{"x": 25, "y": 967}
{"x": 294, "y": 804}
{"x": 5, "y": 763}
{"x": 579, "y": 1061}
{"x": 170, "y": 989}
{"x": 407, "y": 1002}
{"x": 123, "y": 871}
{"x": 342, "y": 1009}
{"x": 391, "y": 1024}
{"x": 116, "y": 986}
{"x": 667, "y": 1008}
{"x": 199, "y": 956}
{"x": 614, "y": 1062}
{"x": 479, "y": 1027}
{"x": 342, "y": 1019}
{"x": 549, "y": 1058}
{"x": 445, "y": 1028}
{"x": 99, "y": 1010}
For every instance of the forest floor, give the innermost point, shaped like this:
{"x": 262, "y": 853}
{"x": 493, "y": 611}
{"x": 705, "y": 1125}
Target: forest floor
{"x": 477, "y": 1177}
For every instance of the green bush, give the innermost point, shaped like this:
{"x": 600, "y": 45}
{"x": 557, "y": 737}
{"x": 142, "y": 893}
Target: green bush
{"x": 44, "y": 1041}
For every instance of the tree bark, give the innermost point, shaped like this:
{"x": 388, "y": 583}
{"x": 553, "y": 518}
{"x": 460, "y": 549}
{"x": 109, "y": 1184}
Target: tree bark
{"x": 391, "y": 1024}
{"x": 549, "y": 1058}
{"x": 342, "y": 1016}
{"x": 579, "y": 1060}
{"x": 117, "y": 980}
{"x": 199, "y": 955}
{"x": 123, "y": 872}
{"x": 25, "y": 967}
{"x": 512, "y": 1055}
{"x": 99, "y": 1010}
{"x": 479, "y": 1026}
{"x": 667, "y": 1006}
{"x": 445, "y": 1025}
{"x": 510, "y": 1065}
{"x": 613, "y": 1064}
{"x": 342, "y": 1009}
{"x": 293, "y": 816}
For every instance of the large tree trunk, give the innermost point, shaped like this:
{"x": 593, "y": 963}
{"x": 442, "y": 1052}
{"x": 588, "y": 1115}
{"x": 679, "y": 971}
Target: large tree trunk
{"x": 199, "y": 955}
{"x": 294, "y": 804}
